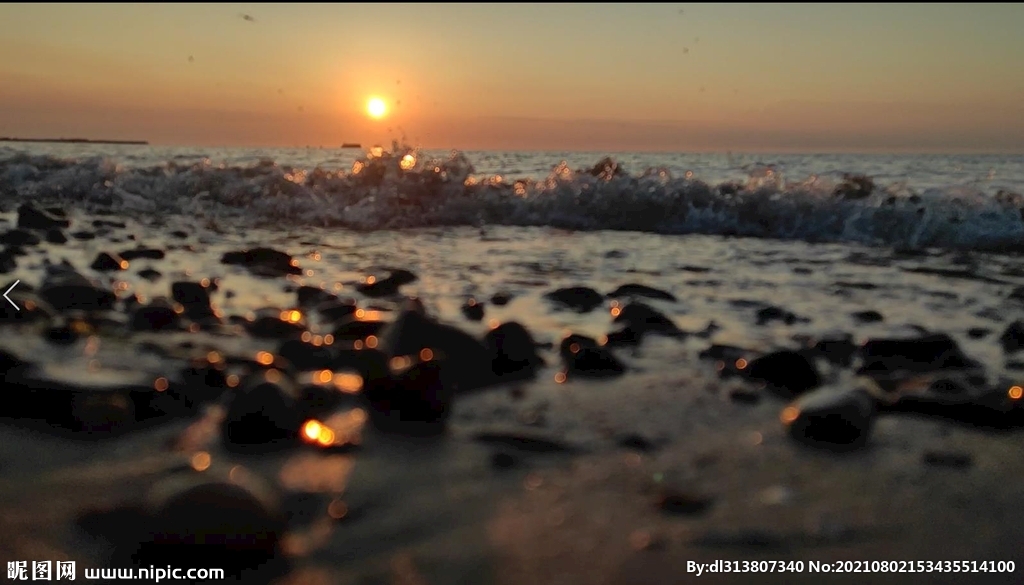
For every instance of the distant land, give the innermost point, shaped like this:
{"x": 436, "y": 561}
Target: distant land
{"x": 351, "y": 145}
{"x": 73, "y": 140}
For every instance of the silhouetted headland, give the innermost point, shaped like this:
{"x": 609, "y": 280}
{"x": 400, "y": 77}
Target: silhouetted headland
{"x": 351, "y": 145}
{"x": 73, "y": 140}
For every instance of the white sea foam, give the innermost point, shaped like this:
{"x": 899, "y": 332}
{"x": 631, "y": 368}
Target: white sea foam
{"x": 401, "y": 188}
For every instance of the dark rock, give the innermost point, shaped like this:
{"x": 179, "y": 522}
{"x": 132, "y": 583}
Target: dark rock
{"x": 150, "y": 274}
{"x": 769, "y": 314}
{"x": 83, "y": 235}
{"x": 19, "y": 237}
{"x": 157, "y": 316}
{"x": 681, "y": 503}
{"x": 578, "y": 298}
{"x": 263, "y": 261}
{"x": 473, "y": 310}
{"x": 263, "y": 415}
{"x": 592, "y": 361}
{"x": 195, "y": 298}
{"x": 643, "y": 319}
{"x": 978, "y": 332}
{"x": 305, "y": 356}
{"x": 785, "y": 370}
{"x": 107, "y": 223}
{"x": 105, "y": 262}
{"x": 353, "y": 329}
{"x": 500, "y": 299}
{"x": 1012, "y": 339}
{"x": 181, "y": 235}
{"x": 503, "y": 460}
{"x": 466, "y": 361}
{"x": 513, "y": 350}
{"x": 920, "y": 354}
{"x": 948, "y": 459}
{"x": 571, "y": 344}
{"x": 32, "y": 217}
{"x": 612, "y": 254}
{"x": 640, "y": 290}
{"x": 77, "y": 294}
{"x": 311, "y": 296}
{"x": 7, "y": 262}
{"x": 834, "y": 420}
{"x": 335, "y": 310}
{"x": 635, "y": 442}
{"x": 55, "y": 236}
{"x": 838, "y": 349}
{"x": 62, "y": 335}
{"x": 868, "y": 317}
{"x": 964, "y": 400}
{"x": 269, "y": 327}
{"x": 147, "y": 253}
{"x": 234, "y": 525}
{"x": 415, "y": 401}
{"x": 385, "y": 287}
{"x": 725, "y": 353}
{"x": 624, "y": 336}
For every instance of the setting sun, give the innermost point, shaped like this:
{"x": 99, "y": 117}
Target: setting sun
{"x": 376, "y": 108}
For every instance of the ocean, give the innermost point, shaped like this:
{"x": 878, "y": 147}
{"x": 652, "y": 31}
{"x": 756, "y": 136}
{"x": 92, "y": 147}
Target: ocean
{"x": 731, "y": 356}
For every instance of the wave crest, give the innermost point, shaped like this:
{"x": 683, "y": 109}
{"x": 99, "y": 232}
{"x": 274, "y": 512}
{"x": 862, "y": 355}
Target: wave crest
{"x": 400, "y": 188}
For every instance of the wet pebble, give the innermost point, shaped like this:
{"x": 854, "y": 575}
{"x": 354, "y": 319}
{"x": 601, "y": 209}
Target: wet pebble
{"x": 7, "y": 262}
{"x": 156, "y": 316}
{"x": 374, "y": 287}
{"x": 473, "y": 310}
{"x": 512, "y": 349}
{"x": 642, "y": 319}
{"x": 592, "y": 361}
{"x": 106, "y": 262}
{"x": 311, "y": 296}
{"x": 578, "y": 298}
{"x": 32, "y": 217}
{"x": 789, "y": 371}
{"x": 140, "y": 253}
{"x": 237, "y": 526}
{"x": 414, "y": 401}
{"x": 83, "y": 235}
{"x": 770, "y": 314}
{"x": 1012, "y": 338}
{"x": 19, "y": 237}
{"x": 263, "y": 261}
{"x": 55, "y": 236}
{"x": 640, "y": 290}
{"x": 150, "y": 274}
{"x": 978, "y": 332}
{"x": 865, "y": 317}
{"x": 500, "y": 299}
{"x": 918, "y": 354}
{"x": 195, "y": 298}
{"x": 262, "y": 415}
{"x": 830, "y": 419}
{"x": 306, "y": 356}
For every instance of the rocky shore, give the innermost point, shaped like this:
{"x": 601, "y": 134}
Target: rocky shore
{"x": 504, "y": 411}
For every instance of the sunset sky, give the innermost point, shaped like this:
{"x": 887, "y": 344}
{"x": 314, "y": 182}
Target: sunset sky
{"x": 629, "y": 77}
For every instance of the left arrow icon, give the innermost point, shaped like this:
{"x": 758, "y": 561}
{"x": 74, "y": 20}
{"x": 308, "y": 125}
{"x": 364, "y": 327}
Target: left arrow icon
{"x": 8, "y": 291}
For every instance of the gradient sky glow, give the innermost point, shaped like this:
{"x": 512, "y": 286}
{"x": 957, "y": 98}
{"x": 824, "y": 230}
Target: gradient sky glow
{"x": 629, "y": 77}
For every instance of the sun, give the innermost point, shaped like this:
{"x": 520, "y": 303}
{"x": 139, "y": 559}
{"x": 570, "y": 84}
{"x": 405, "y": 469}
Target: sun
{"x": 376, "y": 108}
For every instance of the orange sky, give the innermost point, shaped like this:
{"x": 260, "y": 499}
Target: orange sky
{"x": 691, "y": 77}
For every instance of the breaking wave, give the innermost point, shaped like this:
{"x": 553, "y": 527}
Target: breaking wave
{"x": 400, "y": 188}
